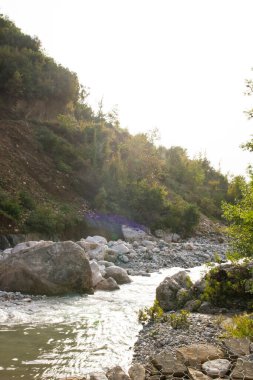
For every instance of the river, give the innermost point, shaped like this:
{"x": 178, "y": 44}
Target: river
{"x": 56, "y": 337}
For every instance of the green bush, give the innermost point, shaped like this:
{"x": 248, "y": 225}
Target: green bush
{"x": 241, "y": 326}
{"x": 154, "y": 313}
{"x": 180, "y": 320}
{"x": 9, "y": 205}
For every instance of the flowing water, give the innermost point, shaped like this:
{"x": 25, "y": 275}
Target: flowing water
{"x": 57, "y": 337}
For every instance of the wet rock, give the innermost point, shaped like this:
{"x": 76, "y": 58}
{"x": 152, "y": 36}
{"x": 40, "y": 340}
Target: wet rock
{"x": 137, "y": 372}
{"x": 107, "y": 284}
{"x": 196, "y": 354}
{"x": 96, "y": 274}
{"x": 237, "y": 346}
{"x": 217, "y": 367}
{"x": 168, "y": 365}
{"x": 118, "y": 274}
{"x": 243, "y": 370}
{"x": 117, "y": 373}
{"x": 97, "y": 376}
{"x": 51, "y": 269}
{"x": 197, "y": 375}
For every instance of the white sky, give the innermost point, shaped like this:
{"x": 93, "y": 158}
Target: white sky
{"x": 177, "y": 65}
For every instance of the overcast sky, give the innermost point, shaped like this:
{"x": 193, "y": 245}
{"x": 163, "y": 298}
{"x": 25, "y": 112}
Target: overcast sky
{"x": 175, "y": 65}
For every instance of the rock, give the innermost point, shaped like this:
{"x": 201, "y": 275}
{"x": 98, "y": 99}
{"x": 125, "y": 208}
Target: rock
{"x": 237, "y": 346}
{"x": 107, "y": 284}
{"x": 165, "y": 362}
{"x": 197, "y": 375}
{"x": 131, "y": 234}
{"x": 97, "y": 376}
{"x": 118, "y": 274}
{"x": 166, "y": 292}
{"x": 251, "y": 347}
{"x": 4, "y": 243}
{"x": 111, "y": 255}
{"x": 47, "y": 268}
{"x": 148, "y": 244}
{"x": 87, "y": 246}
{"x": 124, "y": 259}
{"x": 120, "y": 248}
{"x": 105, "y": 263}
{"x": 137, "y": 372}
{"x": 189, "y": 246}
{"x": 217, "y": 367}
{"x": 96, "y": 239}
{"x": 96, "y": 274}
{"x": 206, "y": 308}
{"x": 192, "y": 305}
{"x": 196, "y": 354}
{"x": 21, "y": 246}
{"x": 243, "y": 370}
{"x": 117, "y": 373}
{"x": 97, "y": 253}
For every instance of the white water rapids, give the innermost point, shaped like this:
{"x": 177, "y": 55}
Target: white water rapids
{"x": 56, "y": 337}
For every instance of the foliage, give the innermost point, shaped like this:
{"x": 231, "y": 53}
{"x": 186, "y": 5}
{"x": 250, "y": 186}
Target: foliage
{"x": 241, "y": 326}
{"x": 179, "y": 320}
{"x": 229, "y": 288}
{"x": 27, "y": 74}
{"x": 9, "y": 205}
{"x": 154, "y": 313}
{"x": 117, "y": 173}
{"x": 240, "y": 216}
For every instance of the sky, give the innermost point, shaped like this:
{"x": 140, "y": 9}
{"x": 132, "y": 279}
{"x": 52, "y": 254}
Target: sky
{"x": 175, "y": 65}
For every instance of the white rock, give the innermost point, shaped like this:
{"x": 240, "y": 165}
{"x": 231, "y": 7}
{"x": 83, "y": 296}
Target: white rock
{"x": 96, "y": 274}
{"x": 120, "y": 248}
{"x": 217, "y": 367}
{"x": 124, "y": 259}
{"x": 96, "y": 239}
{"x": 148, "y": 244}
{"x": 97, "y": 253}
{"x": 21, "y": 246}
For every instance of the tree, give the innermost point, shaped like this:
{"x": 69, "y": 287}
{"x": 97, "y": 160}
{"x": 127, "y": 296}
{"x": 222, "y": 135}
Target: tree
{"x": 240, "y": 215}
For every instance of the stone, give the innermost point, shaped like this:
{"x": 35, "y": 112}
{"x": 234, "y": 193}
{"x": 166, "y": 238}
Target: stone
{"x": 118, "y": 274}
{"x": 97, "y": 376}
{"x": 237, "y": 346}
{"x": 107, "y": 284}
{"x": 96, "y": 274}
{"x": 132, "y": 234}
{"x": 111, "y": 255}
{"x": 96, "y": 239}
{"x": 105, "y": 263}
{"x": 197, "y": 375}
{"x": 192, "y": 305}
{"x": 148, "y": 244}
{"x": 166, "y": 292}
{"x": 47, "y": 268}
{"x": 165, "y": 362}
{"x": 87, "y": 246}
{"x": 97, "y": 253}
{"x": 137, "y": 372}
{"x": 217, "y": 367}
{"x": 22, "y": 246}
{"x": 117, "y": 373}
{"x": 195, "y": 354}
{"x": 120, "y": 248}
{"x": 124, "y": 259}
{"x": 243, "y": 370}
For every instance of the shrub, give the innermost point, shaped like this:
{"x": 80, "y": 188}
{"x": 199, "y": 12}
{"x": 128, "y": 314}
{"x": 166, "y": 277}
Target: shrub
{"x": 154, "y": 313}
{"x": 242, "y": 326}
{"x": 180, "y": 320}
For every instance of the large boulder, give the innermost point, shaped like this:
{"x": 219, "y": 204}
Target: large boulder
{"x": 118, "y": 274}
{"x": 169, "y": 292}
{"x": 196, "y": 354}
{"x": 47, "y": 268}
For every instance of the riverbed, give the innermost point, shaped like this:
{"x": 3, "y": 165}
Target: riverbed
{"x": 56, "y": 337}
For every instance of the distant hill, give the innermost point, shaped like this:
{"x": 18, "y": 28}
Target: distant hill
{"x": 62, "y": 163}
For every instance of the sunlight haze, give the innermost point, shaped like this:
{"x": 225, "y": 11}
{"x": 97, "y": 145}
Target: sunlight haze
{"x": 178, "y": 66}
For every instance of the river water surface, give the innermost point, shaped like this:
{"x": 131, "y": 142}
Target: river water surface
{"x": 56, "y": 337}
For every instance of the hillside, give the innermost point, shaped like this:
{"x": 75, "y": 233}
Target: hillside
{"x": 62, "y": 163}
